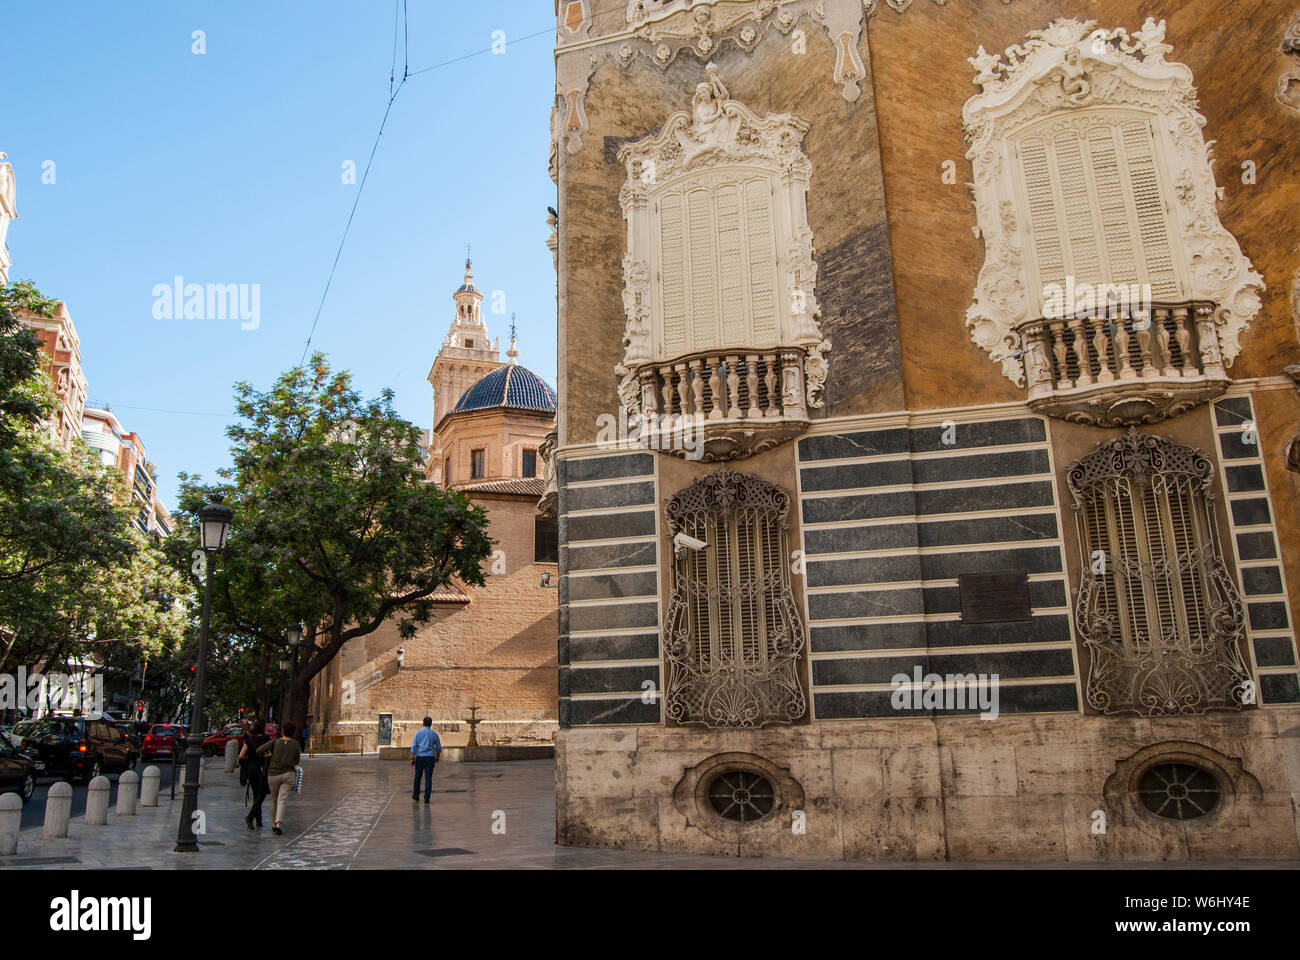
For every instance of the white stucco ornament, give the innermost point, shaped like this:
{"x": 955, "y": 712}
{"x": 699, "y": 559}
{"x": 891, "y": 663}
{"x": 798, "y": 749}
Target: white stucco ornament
{"x": 1073, "y": 75}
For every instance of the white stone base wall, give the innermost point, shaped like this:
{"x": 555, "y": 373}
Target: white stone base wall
{"x": 1025, "y": 788}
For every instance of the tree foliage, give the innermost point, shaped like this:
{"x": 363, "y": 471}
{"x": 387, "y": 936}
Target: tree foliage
{"x": 335, "y": 526}
{"x": 75, "y": 579}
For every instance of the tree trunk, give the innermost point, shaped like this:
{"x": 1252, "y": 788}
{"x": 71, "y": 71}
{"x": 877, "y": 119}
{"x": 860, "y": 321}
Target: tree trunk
{"x": 301, "y": 696}
{"x": 310, "y": 663}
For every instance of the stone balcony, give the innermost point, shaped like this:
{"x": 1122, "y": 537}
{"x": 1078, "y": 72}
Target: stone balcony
{"x": 736, "y": 403}
{"x": 1124, "y": 367}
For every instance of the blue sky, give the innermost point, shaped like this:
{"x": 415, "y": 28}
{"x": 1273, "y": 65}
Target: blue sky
{"x": 226, "y": 167}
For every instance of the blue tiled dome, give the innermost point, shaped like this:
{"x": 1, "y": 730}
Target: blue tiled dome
{"x": 508, "y": 386}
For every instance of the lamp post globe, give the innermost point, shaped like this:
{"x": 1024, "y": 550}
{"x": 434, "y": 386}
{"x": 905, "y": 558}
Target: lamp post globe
{"x": 214, "y": 523}
{"x": 215, "y": 520}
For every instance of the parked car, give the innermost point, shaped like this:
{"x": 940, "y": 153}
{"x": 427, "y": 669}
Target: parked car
{"x": 128, "y": 729}
{"x": 18, "y": 771}
{"x": 82, "y": 747}
{"x": 215, "y": 744}
{"x": 20, "y": 730}
{"x": 163, "y": 741}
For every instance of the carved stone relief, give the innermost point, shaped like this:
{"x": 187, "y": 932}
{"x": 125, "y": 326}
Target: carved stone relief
{"x": 1288, "y": 85}
{"x": 900, "y": 6}
{"x": 658, "y": 32}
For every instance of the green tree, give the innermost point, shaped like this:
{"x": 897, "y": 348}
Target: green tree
{"x": 335, "y": 525}
{"x": 66, "y": 554}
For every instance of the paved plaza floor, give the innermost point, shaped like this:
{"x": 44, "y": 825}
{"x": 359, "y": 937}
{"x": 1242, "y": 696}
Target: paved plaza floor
{"x": 356, "y": 813}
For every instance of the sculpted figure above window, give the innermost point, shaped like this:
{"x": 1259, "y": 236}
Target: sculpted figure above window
{"x": 722, "y": 333}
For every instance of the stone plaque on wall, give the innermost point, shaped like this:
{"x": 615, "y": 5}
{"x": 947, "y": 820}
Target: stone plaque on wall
{"x": 1000, "y": 597}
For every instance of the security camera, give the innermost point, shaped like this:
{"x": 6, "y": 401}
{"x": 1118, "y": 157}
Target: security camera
{"x": 401, "y": 656}
{"x": 683, "y": 542}
{"x": 544, "y": 581}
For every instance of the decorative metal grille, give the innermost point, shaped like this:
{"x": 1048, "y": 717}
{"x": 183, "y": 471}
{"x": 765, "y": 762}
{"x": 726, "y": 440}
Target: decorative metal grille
{"x": 741, "y": 795}
{"x": 1156, "y": 608}
{"x": 1178, "y": 791}
{"x": 733, "y": 634}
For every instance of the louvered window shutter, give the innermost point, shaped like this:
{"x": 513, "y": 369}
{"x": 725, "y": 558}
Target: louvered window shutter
{"x": 717, "y": 272}
{"x": 674, "y": 321}
{"x": 1095, "y": 207}
{"x": 1157, "y": 554}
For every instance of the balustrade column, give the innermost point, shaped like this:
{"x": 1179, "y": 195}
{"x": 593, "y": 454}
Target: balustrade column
{"x": 1057, "y": 330}
{"x": 697, "y": 389}
{"x": 751, "y": 380}
{"x": 769, "y": 379}
{"x": 1101, "y": 343}
{"x": 683, "y": 391}
{"x": 1081, "y": 352}
{"x": 1183, "y": 334}
{"x": 1162, "y": 338}
{"x": 1121, "y": 349}
{"x": 733, "y": 386}
{"x": 717, "y": 405}
{"x": 666, "y": 387}
{"x": 1143, "y": 327}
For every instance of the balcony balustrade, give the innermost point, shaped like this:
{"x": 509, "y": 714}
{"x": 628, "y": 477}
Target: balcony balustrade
{"x": 1124, "y": 366}
{"x": 735, "y": 402}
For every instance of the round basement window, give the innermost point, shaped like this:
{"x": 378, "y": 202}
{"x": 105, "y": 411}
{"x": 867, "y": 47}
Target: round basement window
{"x": 1179, "y": 791}
{"x": 741, "y": 795}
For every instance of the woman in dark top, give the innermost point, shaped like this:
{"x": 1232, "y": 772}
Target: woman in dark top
{"x": 255, "y": 768}
{"x": 283, "y": 754}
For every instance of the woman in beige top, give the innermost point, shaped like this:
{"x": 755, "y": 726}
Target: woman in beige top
{"x": 285, "y": 753}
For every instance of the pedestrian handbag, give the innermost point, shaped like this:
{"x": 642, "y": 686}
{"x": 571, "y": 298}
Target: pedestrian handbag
{"x": 297, "y": 779}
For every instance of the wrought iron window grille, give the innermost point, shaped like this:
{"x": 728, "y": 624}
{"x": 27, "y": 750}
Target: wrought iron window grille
{"x": 733, "y": 636}
{"x": 1157, "y": 609}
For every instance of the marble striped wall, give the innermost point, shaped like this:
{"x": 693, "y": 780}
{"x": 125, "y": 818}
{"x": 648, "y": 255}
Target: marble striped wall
{"x": 609, "y": 590}
{"x": 890, "y": 518}
{"x": 1254, "y": 545}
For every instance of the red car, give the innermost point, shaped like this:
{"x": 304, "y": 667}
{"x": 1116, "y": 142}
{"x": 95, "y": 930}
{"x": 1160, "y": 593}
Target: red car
{"x": 215, "y": 745}
{"x": 164, "y": 740}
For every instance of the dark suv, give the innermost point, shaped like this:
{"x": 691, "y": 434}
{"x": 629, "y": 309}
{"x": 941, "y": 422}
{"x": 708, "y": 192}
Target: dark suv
{"x": 81, "y": 747}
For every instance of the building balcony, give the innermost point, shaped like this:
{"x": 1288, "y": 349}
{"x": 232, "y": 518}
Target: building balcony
{"x": 723, "y": 405}
{"x": 1124, "y": 367}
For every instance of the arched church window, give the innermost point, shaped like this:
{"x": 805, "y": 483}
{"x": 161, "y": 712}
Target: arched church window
{"x": 734, "y": 635}
{"x": 1157, "y": 609}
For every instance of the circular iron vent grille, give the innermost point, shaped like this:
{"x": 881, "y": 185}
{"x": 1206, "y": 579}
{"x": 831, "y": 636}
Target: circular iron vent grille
{"x": 741, "y": 795}
{"x": 1179, "y": 791}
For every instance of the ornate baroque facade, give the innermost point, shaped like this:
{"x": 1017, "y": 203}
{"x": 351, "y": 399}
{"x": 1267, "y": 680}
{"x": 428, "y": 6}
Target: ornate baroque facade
{"x": 929, "y": 492}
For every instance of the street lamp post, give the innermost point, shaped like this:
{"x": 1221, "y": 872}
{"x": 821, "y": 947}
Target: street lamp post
{"x": 289, "y": 665}
{"x": 214, "y": 524}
